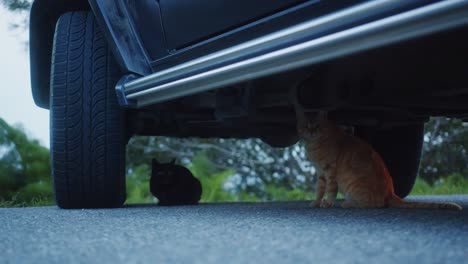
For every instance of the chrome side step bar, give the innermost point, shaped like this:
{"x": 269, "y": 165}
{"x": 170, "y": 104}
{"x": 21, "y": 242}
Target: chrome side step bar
{"x": 202, "y": 74}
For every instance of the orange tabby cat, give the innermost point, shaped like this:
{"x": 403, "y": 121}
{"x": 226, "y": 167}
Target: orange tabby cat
{"x": 350, "y": 165}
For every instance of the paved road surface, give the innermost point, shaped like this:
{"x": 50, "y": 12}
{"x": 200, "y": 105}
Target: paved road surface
{"x": 286, "y": 232}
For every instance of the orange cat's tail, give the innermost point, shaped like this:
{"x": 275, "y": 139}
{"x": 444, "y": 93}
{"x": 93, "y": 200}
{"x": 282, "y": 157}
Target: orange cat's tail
{"x": 397, "y": 202}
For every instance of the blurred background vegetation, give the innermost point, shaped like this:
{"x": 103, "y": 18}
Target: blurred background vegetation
{"x": 229, "y": 169}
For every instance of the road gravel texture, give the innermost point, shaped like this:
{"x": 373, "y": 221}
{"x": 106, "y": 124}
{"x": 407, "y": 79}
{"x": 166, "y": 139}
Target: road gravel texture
{"x": 273, "y": 232}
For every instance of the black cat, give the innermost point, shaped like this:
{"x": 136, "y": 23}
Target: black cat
{"x": 174, "y": 184}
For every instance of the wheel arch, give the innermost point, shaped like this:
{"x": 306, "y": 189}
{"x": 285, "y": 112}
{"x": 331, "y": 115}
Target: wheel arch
{"x": 43, "y": 18}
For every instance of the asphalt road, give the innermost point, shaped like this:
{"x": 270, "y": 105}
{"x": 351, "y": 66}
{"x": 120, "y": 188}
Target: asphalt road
{"x": 280, "y": 232}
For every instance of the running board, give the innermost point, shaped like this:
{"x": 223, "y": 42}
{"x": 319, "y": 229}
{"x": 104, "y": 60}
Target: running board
{"x": 208, "y": 72}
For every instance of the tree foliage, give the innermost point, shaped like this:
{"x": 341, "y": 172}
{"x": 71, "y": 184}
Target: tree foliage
{"x": 445, "y": 149}
{"x": 17, "y": 5}
{"x": 19, "y": 22}
{"x": 24, "y": 164}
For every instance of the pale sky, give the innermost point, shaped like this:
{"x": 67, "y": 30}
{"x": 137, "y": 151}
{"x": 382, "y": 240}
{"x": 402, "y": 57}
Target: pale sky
{"x": 16, "y": 105}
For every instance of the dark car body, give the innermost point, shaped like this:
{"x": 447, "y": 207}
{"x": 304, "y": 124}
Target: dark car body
{"x": 393, "y": 82}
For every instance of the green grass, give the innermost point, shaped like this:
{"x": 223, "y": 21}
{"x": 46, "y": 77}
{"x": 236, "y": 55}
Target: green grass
{"x": 39, "y": 200}
{"x": 137, "y": 186}
{"x": 453, "y": 184}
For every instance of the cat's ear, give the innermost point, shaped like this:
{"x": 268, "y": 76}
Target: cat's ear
{"x": 154, "y": 161}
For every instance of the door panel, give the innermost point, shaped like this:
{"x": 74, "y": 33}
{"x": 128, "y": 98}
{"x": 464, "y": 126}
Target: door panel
{"x": 189, "y": 21}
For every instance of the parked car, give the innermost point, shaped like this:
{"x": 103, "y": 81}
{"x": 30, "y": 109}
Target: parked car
{"x": 108, "y": 70}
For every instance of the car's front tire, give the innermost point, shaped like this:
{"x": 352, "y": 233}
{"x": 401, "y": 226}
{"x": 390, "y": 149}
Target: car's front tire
{"x": 86, "y": 122}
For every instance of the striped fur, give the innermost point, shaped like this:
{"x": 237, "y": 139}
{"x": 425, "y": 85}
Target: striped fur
{"x": 350, "y": 165}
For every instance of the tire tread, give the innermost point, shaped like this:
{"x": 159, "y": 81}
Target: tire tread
{"x": 87, "y": 143}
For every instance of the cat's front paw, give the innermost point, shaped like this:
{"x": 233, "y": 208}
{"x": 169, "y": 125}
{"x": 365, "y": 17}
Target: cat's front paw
{"x": 326, "y": 203}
